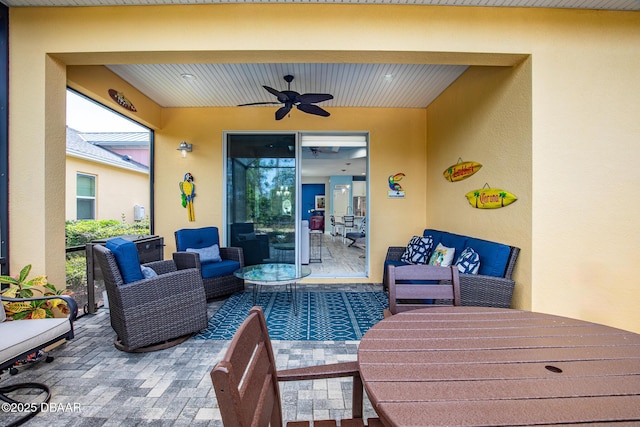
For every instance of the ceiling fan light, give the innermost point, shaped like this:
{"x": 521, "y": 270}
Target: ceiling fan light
{"x": 334, "y": 141}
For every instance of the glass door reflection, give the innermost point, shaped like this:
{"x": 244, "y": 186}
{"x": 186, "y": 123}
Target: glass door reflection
{"x": 261, "y": 194}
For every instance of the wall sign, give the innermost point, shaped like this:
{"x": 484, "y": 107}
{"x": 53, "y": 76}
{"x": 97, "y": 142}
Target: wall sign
{"x": 395, "y": 189}
{"x": 490, "y": 198}
{"x": 461, "y": 170}
{"x": 121, "y": 100}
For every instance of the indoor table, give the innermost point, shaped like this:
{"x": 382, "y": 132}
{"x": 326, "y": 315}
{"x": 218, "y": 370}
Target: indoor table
{"x": 473, "y": 366}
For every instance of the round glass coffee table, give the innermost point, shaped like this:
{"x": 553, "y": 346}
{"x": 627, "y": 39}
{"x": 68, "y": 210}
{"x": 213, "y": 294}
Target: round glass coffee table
{"x": 274, "y": 275}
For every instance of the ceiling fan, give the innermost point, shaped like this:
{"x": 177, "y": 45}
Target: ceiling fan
{"x": 289, "y": 98}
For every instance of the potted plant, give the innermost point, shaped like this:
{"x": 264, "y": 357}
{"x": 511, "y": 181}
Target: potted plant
{"x": 20, "y": 287}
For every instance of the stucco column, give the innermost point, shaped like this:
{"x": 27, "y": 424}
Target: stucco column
{"x": 37, "y": 166}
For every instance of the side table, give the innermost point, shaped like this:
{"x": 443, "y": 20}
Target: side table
{"x": 315, "y": 246}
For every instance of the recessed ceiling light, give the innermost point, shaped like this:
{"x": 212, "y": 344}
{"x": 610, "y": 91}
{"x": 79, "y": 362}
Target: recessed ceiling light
{"x": 188, "y": 76}
{"x": 388, "y": 77}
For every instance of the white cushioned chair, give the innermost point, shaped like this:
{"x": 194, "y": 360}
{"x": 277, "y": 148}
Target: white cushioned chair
{"x": 21, "y": 338}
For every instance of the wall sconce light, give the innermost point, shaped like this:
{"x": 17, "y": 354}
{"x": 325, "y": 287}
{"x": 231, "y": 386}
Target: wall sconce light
{"x": 185, "y": 148}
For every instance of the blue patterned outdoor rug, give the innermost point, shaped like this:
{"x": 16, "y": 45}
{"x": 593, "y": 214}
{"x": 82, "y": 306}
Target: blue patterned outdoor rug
{"x": 322, "y": 316}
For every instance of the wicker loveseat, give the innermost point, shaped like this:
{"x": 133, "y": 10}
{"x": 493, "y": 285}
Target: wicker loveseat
{"x": 492, "y": 286}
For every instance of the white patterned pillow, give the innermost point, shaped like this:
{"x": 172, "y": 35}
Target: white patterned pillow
{"x": 418, "y": 250}
{"x": 442, "y": 256}
{"x": 468, "y": 262}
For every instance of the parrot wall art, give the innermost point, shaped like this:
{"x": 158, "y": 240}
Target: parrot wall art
{"x": 188, "y": 190}
{"x": 395, "y": 189}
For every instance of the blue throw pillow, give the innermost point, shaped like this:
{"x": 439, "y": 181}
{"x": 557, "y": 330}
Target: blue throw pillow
{"x": 148, "y": 272}
{"x": 418, "y": 250}
{"x": 468, "y": 262}
{"x": 126, "y": 255}
{"x": 208, "y": 254}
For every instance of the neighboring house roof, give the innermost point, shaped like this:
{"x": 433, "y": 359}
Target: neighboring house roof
{"x": 117, "y": 139}
{"x": 78, "y": 146}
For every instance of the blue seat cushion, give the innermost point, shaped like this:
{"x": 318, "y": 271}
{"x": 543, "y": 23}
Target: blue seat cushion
{"x": 493, "y": 256}
{"x": 354, "y": 236}
{"x": 392, "y": 262}
{"x": 126, "y": 254}
{"x": 196, "y": 238}
{"x": 218, "y": 269}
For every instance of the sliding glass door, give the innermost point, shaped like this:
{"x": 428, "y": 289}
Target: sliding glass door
{"x": 261, "y": 196}
{"x": 299, "y": 198}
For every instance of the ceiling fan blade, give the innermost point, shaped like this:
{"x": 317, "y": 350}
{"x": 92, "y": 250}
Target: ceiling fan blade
{"x": 283, "y": 111}
{"x": 282, "y": 97}
{"x": 258, "y": 103}
{"x": 312, "y": 98}
{"x": 313, "y": 109}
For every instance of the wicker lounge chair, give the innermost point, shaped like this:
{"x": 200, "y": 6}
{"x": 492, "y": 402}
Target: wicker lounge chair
{"x": 217, "y": 277}
{"x": 153, "y": 313}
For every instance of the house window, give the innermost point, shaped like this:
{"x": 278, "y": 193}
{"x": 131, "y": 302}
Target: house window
{"x": 85, "y": 196}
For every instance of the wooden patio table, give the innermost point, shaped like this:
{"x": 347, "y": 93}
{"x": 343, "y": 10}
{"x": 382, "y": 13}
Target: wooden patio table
{"x": 474, "y": 366}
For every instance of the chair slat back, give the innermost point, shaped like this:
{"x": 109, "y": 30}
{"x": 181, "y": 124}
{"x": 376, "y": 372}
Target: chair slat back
{"x": 348, "y": 220}
{"x": 245, "y": 380}
{"x": 447, "y": 288}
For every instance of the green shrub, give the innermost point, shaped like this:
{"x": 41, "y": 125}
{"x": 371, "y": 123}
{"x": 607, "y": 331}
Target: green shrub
{"x": 84, "y": 231}
{"x": 79, "y": 233}
{"x": 76, "y": 269}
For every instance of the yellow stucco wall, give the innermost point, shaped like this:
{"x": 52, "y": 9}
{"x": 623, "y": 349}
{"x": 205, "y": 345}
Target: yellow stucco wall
{"x": 584, "y": 108}
{"x": 390, "y": 220}
{"x": 485, "y": 116}
{"x": 117, "y": 189}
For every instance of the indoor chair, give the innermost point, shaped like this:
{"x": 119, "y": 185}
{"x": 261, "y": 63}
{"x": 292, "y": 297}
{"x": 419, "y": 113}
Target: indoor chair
{"x": 21, "y": 338}
{"x": 334, "y": 225}
{"x": 154, "y": 311}
{"x": 246, "y": 380}
{"x": 316, "y": 222}
{"x": 419, "y": 286}
{"x": 255, "y": 245}
{"x": 348, "y": 224}
{"x": 360, "y": 234}
{"x": 195, "y": 247}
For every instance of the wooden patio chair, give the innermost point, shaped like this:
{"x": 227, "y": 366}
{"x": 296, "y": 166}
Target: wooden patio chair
{"x": 246, "y": 380}
{"x": 420, "y": 286}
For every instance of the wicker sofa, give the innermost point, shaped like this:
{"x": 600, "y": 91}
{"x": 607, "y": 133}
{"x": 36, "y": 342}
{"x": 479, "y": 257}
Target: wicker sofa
{"x": 492, "y": 286}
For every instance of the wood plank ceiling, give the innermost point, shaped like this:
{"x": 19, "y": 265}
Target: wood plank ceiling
{"x": 352, "y": 85}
